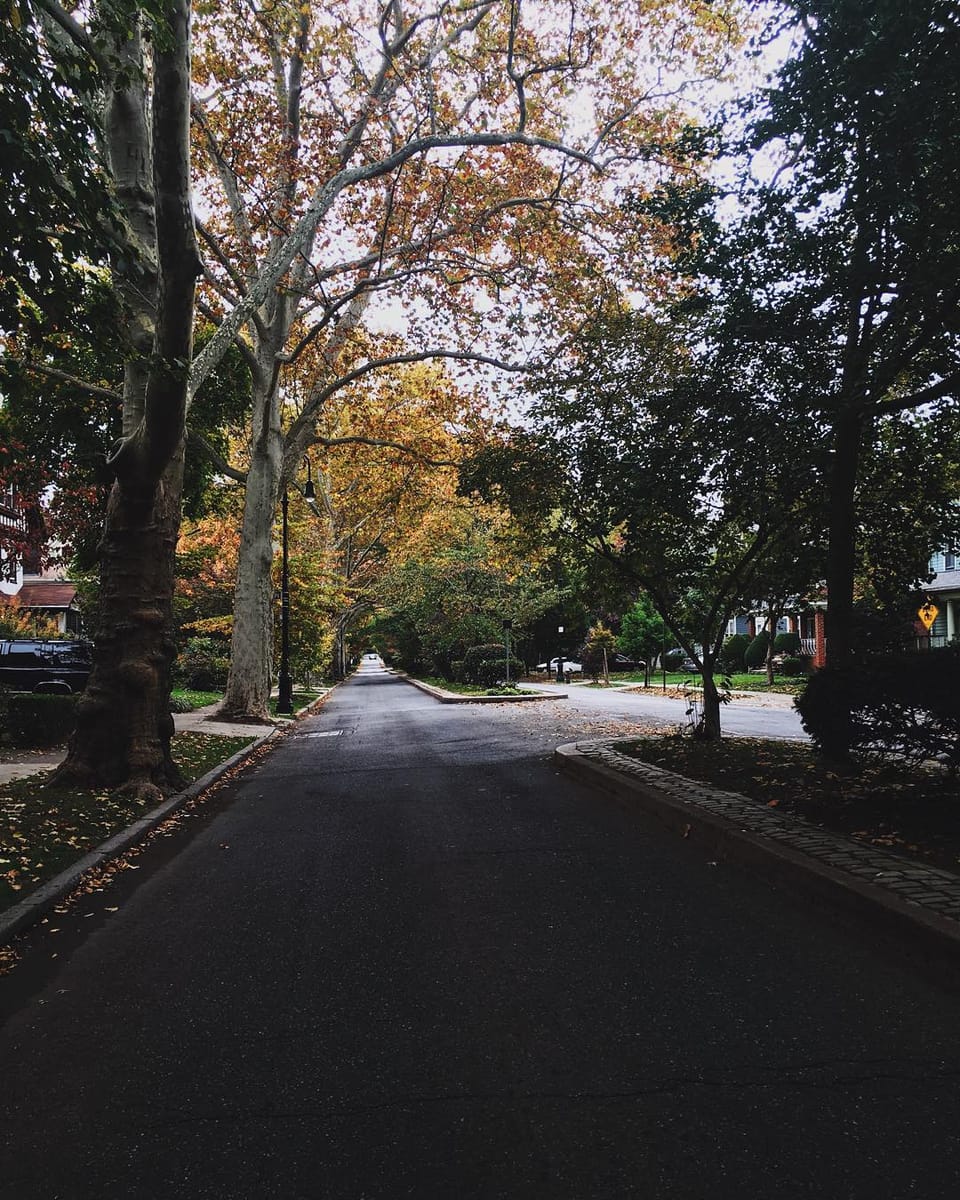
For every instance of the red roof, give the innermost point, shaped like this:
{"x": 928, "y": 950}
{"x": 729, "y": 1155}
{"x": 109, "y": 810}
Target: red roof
{"x": 47, "y": 593}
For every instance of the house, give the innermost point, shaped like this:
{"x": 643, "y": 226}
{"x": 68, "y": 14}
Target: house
{"x": 12, "y": 529}
{"x": 43, "y": 592}
{"x": 944, "y": 591}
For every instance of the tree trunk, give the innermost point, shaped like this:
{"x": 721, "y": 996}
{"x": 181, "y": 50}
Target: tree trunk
{"x": 708, "y": 727}
{"x": 841, "y": 566}
{"x": 124, "y": 724}
{"x": 841, "y": 553}
{"x": 251, "y": 647}
{"x": 772, "y": 619}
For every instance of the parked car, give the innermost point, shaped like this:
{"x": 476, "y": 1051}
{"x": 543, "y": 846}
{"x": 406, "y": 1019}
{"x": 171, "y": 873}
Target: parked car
{"x": 622, "y": 662}
{"x": 45, "y": 666}
{"x": 568, "y": 665}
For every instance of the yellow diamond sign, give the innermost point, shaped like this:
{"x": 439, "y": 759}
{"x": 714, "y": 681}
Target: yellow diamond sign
{"x": 928, "y": 614}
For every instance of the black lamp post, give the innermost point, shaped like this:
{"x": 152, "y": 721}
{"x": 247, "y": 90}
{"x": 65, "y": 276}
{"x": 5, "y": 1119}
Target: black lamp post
{"x": 560, "y": 659}
{"x": 507, "y": 626}
{"x": 285, "y": 697}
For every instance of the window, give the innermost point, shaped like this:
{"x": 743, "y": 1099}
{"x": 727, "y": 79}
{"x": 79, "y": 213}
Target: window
{"x": 949, "y": 561}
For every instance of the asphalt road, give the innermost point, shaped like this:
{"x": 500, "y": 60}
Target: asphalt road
{"x": 404, "y": 957}
{"x": 766, "y": 717}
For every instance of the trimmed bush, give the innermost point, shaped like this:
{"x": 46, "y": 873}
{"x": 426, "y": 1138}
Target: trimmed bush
{"x": 456, "y": 670}
{"x": 787, "y": 643}
{"x": 732, "y": 652}
{"x": 791, "y": 667}
{"x": 756, "y": 653}
{"x": 494, "y": 670}
{"x": 40, "y": 718}
{"x": 900, "y": 707}
{"x": 487, "y": 664}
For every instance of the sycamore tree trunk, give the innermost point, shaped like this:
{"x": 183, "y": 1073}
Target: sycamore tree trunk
{"x": 124, "y": 725}
{"x": 251, "y": 646}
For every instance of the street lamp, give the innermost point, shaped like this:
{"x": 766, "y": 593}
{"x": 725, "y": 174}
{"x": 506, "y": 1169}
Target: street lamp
{"x": 507, "y": 626}
{"x": 285, "y": 697}
{"x": 560, "y": 659}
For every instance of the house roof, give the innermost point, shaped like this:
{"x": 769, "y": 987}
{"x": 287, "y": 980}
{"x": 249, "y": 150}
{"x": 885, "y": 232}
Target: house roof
{"x": 47, "y": 593}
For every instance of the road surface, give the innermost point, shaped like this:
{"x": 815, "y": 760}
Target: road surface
{"x": 405, "y": 957}
{"x": 766, "y": 716}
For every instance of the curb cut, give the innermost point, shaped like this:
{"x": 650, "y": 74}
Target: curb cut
{"x": 456, "y": 698}
{"x": 39, "y": 903}
{"x": 927, "y": 931}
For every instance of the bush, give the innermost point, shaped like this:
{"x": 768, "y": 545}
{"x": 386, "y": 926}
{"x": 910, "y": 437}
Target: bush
{"x": 494, "y": 670}
{"x": 40, "y": 718}
{"x": 900, "y": 707}
{"x": 732, "y": 652}
{"x": 674, "y": 662}
{"x": 791, "y": 666}
{"x": 787, "y": 643}
{"x": 203, "y": 665}
{"x": 756, "y": 653}
{"x": 456, "y": 670}
{"x": 475, "y": 669}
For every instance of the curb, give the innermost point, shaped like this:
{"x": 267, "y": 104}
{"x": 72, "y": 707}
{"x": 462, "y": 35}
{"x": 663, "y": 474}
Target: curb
{"x": 926, "y": 930}
{"x": 39, "y": 904}
{"x": 456, "y": 698}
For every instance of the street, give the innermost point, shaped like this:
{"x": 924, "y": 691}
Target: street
{"x": 404, "y": 956}
{"x": 761, "y": 716}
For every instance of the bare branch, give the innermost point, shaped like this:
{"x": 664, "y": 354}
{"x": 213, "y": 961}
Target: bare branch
{"x": 52, "y": 373}
{"x": 199, "y": 443}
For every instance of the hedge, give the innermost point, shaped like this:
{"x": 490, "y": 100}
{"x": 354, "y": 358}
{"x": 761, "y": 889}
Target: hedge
{"x": 40, "y": 718}
{"x": 901, "y": 707}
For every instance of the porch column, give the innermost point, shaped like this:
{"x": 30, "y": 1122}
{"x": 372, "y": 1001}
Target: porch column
{"x": 820, "y": 640}
{"x": 951, "y": 619}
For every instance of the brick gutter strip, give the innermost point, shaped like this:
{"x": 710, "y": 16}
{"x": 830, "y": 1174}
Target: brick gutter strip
{"x": 918, "y": 902}
{"x": 457, "y": 698}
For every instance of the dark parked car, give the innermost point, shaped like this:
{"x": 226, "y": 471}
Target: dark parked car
{"x": 40, "y": 666}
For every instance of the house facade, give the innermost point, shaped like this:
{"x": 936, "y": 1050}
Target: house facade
{"x": 944, "y": 591}
{"x": 22, "y": 577}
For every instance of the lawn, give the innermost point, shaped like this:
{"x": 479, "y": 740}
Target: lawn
{"x": 738, "y": 683}
{"x": 45, "y": 829}
{"x": 914, "y": 811}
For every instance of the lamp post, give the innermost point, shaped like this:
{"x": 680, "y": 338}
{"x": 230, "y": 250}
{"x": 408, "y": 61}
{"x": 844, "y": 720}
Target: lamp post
{"x": 285, "y": 697}
{"x": 507, "y": 626}
{"x": 560, "y": 658}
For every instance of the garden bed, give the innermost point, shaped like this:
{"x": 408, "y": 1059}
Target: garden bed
{"x": 911, "y": 810}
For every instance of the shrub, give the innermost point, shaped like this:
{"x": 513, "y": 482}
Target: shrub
{"x": 732, "y": 652}
{"x": 456, "y": 670}
{"x": 40, "y": 718}
{"x": 900, "y": 706}
{"x": 756, "y": 653}
{"x": 791, "y": 666}
{"x": 492, "y": 652}
{"x": 203, "y": 665}
{"x": 179, "y": 704}
{"x": 674, "y": 662}
{"x": 787, "y": 643}
{"x": 493, "y": 670}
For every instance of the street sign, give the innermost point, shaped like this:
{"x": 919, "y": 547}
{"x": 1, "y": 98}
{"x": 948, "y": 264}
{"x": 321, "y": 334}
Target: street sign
{"x": 928, "y": 614}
